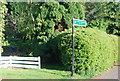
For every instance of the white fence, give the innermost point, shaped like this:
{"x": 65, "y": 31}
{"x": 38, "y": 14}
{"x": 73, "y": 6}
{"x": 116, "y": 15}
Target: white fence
{"x": 20, "y": 62}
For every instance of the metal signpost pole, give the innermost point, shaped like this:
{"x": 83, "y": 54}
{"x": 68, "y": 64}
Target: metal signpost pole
{"x": 75, "y": 22}
{"x": 73, "y": 47}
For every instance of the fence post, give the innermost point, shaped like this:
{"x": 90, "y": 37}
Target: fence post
{"x": 10, "y": 61}
{"x": 39, "y": 62}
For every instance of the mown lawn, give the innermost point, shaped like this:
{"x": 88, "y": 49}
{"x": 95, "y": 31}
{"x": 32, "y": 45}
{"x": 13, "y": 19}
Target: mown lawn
{"x": 15, "y": 73}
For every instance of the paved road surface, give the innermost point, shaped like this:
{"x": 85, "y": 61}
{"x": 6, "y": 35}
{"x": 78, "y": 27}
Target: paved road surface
{"x": 111, "y": 73}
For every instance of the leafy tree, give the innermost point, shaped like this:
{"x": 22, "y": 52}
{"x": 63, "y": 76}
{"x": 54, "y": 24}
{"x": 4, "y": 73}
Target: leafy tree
{"x": 34, "y": 24}
{"x": 104, "y": 15}
{"x": 3, "y": 10}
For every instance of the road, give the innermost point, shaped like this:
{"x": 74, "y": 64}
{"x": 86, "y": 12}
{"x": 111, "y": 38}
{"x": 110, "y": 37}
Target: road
{"x": 112, "y": 73}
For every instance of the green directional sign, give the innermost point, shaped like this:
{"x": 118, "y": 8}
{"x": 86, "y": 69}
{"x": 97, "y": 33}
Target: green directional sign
{"x": 75, "y": 22}
{"x": 78, "y": 22}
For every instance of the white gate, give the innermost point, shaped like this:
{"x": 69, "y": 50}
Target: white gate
{"x": 20, "y": 62}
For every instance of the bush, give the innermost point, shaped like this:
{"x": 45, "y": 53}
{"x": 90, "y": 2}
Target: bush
{"x": 95, "y": 51}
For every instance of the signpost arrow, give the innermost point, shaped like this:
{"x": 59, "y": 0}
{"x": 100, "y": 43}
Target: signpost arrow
{"x": 75, "y": 22}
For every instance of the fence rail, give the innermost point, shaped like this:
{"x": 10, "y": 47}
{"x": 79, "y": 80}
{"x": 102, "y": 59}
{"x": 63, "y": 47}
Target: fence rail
{"x": 21, "y": 62}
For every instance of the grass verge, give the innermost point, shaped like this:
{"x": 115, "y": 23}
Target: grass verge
{"x": 17, "y": 73}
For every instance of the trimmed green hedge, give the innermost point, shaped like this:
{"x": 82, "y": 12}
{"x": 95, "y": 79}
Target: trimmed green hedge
{"x": 95, "y": 51}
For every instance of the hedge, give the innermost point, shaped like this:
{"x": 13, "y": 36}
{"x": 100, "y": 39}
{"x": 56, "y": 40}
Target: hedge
{"x": 95, "y": 51}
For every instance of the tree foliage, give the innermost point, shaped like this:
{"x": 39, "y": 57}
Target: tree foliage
{"x": 104, "y": 15}
{"x": 32, "y": 25}
{"x": 3, "y": 10}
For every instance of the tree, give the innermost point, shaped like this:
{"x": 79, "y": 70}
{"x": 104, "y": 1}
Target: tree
{"x": 34, "y": 24}
{"x": 3, "y": 10}
{"x": 104, "y": 15}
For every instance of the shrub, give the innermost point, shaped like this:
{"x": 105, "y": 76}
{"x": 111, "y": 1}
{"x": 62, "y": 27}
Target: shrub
{"x": 95, "y": 51}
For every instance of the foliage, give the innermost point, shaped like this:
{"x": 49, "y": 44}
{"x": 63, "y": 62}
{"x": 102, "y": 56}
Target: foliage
{"x": 104, "y": 16}
{"x": 34, "y": 29}
{"x": 3, "y": 10}
{"x": 31, "y": 25}
{"x": 95, "y": 51}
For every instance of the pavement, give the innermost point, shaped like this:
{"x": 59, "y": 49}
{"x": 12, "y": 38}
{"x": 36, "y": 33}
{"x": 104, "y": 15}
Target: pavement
{"x": 112, "y": 73}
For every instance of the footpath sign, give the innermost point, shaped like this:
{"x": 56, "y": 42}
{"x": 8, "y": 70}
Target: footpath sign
{"x": 78, "y": 22}
{"x": 75, "y": 22}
